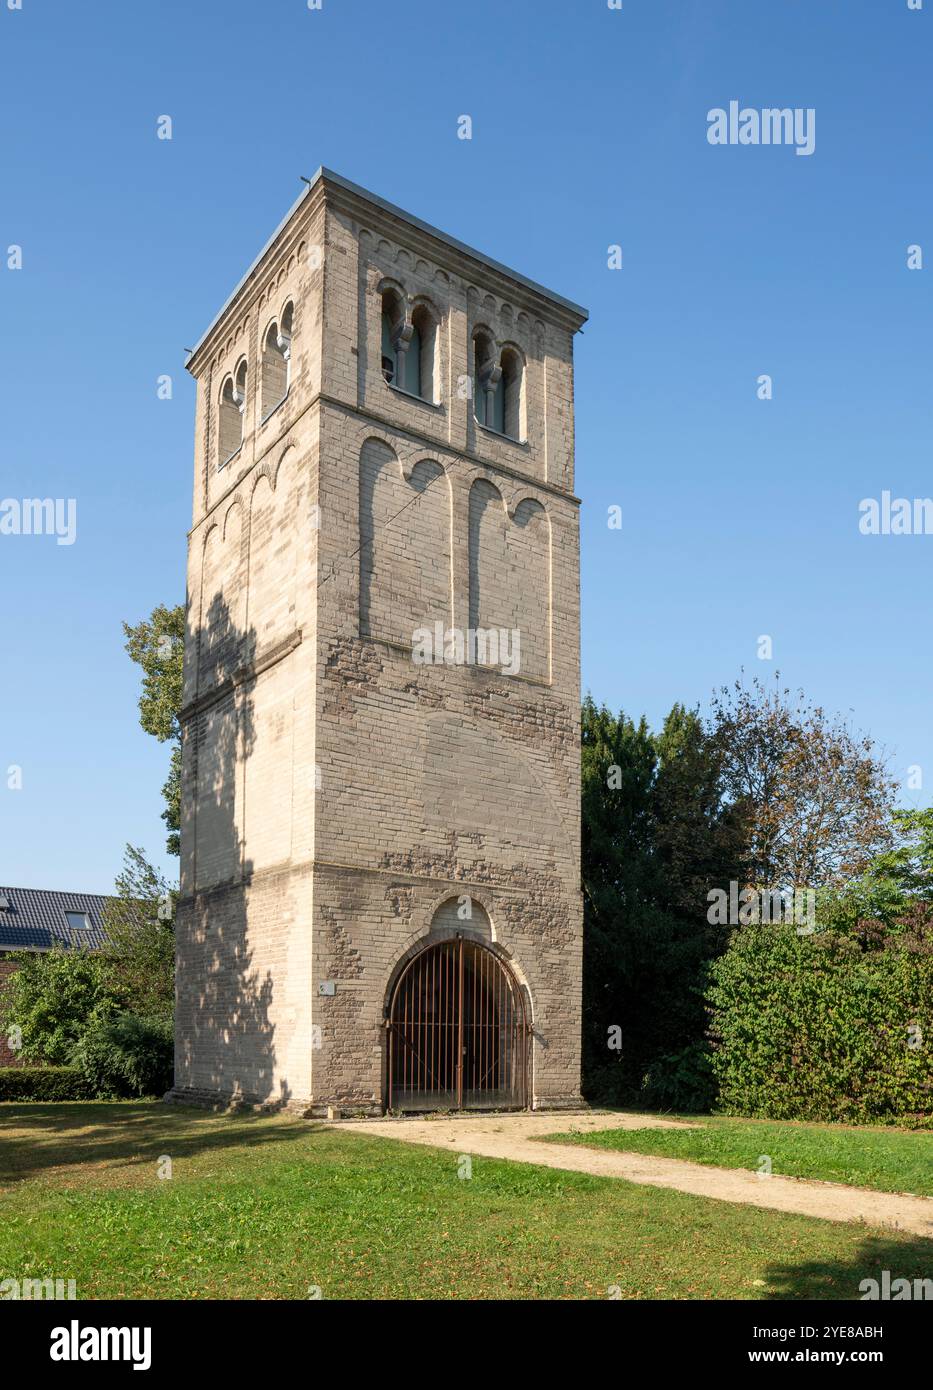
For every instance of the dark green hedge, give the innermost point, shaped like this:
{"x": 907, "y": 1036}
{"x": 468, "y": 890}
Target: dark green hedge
{"x": 124, "y": 1056}
{"x": 42, "y": 1083}
{"x": 816, "y": 1028}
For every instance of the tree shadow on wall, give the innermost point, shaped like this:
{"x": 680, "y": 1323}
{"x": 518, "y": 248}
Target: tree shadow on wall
{"x": 225, "y": 1038}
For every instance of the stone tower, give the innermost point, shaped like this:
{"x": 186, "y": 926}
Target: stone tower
{"x": 380, "y": 881}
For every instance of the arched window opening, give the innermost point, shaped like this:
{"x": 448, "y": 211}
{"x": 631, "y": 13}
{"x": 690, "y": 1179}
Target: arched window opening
{"x": 422, "y": 354}
{"x": 488, "y": 402}
{"x": 276, "y": 363}
{"x": 409, "y": 359}
{"x": 495, "y": 407}
{"x": 230, "y": 425}
{"x": 393, "y": 327}
{"x": 513, "y": 395}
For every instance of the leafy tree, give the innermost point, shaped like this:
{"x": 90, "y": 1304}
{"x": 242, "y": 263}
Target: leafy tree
{"x": 909, "y": 865}
{"x": 618, "y": 768}
{"x": 767, "y": 793}
{"x": 157, "y": 645}
{"x": 140, "y": 925}
{"x": 871, "y": 898}
{"x": 657, "y": 836}
{"x": 51, "y": 998}
{"x": 816, "y": 798}
{"x": 699, "y": 837}
{"x": 894, "y": 896}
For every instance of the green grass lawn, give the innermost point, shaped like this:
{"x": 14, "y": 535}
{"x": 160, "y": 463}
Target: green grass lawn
{"x": 885, "y": 1159}
{"x": 269, "y": 1207}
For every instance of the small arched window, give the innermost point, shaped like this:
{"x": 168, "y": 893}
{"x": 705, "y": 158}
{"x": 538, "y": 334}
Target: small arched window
{"x": 230, "y": 423}
{"x": 498, "y": 386}
{"x": 513, "y": 394}
{"x": 276, "y": 362}
{"x": 409, "y": 362}
{"x": 393, "y": 324}
{"x": 488, "y": 399}
{"x": 421, "y": 367}
{"x": 408, "y": 346}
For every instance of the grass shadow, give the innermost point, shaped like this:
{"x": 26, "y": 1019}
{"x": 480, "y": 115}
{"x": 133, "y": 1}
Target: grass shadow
{"x": 37, "y": 1137}
{"x": 903, "y": 1258}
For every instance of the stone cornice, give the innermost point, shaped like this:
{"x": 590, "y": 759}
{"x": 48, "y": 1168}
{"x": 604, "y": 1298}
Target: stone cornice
{"x": 371, "y": 211}
{"x": 283, "y": 240}
{"x": 312, "y": 863}
{"x": 451, "y": 255}
{"x": 431, "y": 443}
{"x": 247, "y": 672}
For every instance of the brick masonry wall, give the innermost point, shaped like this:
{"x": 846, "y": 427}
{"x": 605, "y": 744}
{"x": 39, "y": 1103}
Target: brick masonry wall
{"x": 337, "y": 794}
{"x": 244, "y": 1024}
{"x": 437, "y": 780}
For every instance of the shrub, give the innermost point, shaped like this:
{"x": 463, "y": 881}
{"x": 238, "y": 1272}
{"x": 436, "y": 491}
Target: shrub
{"x": 124, "y": 1056}
{"x": 682, "y": 1081}
{"x": 43, "y": 1083}
{"x": 816, "y": 1028}
{"x": 51, "y": 997}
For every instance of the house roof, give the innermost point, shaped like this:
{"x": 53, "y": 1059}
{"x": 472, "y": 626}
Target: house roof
{"x": 34, "y": 919}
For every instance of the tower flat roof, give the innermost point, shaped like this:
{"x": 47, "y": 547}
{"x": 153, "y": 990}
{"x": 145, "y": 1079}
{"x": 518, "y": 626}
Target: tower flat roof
{"x": 325, "y": 175}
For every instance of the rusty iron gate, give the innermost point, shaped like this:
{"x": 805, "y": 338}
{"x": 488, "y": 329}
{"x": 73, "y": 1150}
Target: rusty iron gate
{"x": 457, "y": 1032}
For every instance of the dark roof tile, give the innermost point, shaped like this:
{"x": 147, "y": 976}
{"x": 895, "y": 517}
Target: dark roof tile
{"x": 35, "y": 919}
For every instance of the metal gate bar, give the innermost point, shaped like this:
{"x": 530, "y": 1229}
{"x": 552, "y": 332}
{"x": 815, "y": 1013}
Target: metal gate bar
{"x": 457, "y": 1035}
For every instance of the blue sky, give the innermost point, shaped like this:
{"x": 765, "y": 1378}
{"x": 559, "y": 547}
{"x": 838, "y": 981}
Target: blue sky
{"x": 739, "y": 516}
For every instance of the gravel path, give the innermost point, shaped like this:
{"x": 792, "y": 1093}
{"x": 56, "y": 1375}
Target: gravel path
{"x": 516, "y": 1137}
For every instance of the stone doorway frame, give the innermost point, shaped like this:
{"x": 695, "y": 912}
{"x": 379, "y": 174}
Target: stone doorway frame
{"x": 458, "y": 1035}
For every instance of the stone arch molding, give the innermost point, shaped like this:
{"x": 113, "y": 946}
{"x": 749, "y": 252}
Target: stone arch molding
{"x": 275, "y": 316}
{"x": 405, "y": 542}
{"x": 510, "y": 572}
{"x": 414, "y": 316}
{"x": 270, "y": 467}
{"x": 406, "y": 555}
{"x": 431, "y": 924}
{"x": 431, "y": 929}
{"x": 235, "y": 506}
{"x": 239, "y": 576}
{"x": 485, "y": 306}
{"x": 220, "y": 600}
{"x": 445, "y": 916}
{"x": 389, "y": 282}
{"x": 378, "y": 251}
{"x": 273, "y": 547}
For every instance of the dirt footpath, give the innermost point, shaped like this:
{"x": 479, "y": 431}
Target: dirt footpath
{"x": 515, "y": 1137}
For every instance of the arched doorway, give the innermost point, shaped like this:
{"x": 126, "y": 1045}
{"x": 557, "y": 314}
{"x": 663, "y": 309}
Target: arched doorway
{"x": 457, "y": 1032}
